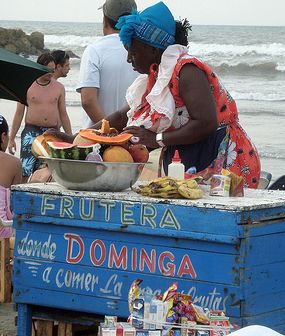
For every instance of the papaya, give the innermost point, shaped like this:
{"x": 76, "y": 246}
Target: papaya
{"x": 105, "y": 127}
{"x": 39, "y": 147}
{"x": 79, "y": 140}
{"x": 117, "y": 154}
{"x": 109, "y": 139}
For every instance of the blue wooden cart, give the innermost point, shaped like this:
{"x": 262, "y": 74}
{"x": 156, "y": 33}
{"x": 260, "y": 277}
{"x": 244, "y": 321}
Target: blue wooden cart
{"x": 80, "y": 252}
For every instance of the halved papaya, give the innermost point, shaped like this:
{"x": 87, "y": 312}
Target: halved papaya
{"x": 109, "y": 139}
{"x": 105, "y": 127}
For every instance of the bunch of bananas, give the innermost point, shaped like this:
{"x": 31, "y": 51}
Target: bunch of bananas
{"x": 168, "y": 187}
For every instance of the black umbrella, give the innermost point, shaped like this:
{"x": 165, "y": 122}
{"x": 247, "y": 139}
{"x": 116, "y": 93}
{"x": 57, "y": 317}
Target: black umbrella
{"x": 17, "y": 74}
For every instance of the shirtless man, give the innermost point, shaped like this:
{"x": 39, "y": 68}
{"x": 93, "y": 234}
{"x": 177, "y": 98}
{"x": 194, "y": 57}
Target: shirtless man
{"x": 46, "y": 100}
{"x": 62, "y": 64}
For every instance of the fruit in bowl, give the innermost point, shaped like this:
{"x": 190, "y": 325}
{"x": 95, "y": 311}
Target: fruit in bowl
{"x": 111, "y": 146}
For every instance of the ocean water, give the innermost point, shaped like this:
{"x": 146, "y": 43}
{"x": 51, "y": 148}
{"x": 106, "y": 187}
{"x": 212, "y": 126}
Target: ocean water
{"x": 249, "y": 60}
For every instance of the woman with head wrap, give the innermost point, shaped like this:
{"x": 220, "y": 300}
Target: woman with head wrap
{"x": 178, "y": 102}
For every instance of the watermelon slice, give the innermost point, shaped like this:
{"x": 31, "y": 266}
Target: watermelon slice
{"x": 64, "y": 150}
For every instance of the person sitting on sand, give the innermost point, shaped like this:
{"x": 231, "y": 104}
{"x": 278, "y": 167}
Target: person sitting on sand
{"x": 178, "y": 102}
{"x": 46, "y": 107}
{"x": 10, "y": 173}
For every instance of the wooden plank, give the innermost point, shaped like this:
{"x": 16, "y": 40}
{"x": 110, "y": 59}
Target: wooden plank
{"x": 218, "y": 243}
{"x": 272, "y": 319}
{"x": 5, "y": 271}
{"x": 264, "y": 280}
{"x": 29, "y": 231}
{"x": 258, "y": 304}
{"x": 253, "y": 200}
{"x": 160, "y": 218}
{"x": 263, "y": 250}
{"x": 44, "y": 328}
{"x": 137, "y": 256}
{"x": 76, "y": 279}
{"x": 111, "y": 293}
{"x": 266, "y": 215}
{"x": 64, "y": 329}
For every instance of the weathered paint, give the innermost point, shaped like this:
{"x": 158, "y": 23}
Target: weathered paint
{"x": 83, "y": 250}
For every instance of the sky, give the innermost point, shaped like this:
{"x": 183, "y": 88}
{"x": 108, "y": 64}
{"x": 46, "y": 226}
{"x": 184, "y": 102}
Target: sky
{"x": 207, "y": 12}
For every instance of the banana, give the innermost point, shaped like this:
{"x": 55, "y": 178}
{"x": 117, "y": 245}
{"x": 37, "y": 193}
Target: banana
{"x": 165, "y": 195}
{"x": 161, "y": 183}
{"x": 163, "y": 179}
{"x": 167, "y": 187}
{"x": 191, "y": 183}
{"x": 190, "y": 193}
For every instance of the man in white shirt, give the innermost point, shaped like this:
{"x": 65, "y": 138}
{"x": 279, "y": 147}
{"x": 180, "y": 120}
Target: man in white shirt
{"x": 105, "y": 73}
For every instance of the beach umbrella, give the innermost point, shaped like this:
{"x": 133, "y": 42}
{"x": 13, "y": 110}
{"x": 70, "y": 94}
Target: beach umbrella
{"x": 17, "y": 74}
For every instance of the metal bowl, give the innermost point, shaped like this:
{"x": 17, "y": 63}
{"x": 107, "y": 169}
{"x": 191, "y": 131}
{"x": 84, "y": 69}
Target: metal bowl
{"x": 94, "y": 176}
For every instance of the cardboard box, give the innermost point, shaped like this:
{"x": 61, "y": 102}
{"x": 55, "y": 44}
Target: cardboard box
{"x": 138, "y": 313}
{"x": 142, "y": 332}
{"x": 105, "y": 331}
{"x": 154, "y": 332}
{"x": 146, "y": 315}
{"x": 152, "y": 315}
{"x": 128, "y": 330}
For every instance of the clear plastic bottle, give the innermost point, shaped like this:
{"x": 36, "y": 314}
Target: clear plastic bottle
{"x": 176, "y": 169}
{"x": 95, "y": 154}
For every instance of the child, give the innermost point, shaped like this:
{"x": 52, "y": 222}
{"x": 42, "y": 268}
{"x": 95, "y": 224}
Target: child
{"x": 10, "y": 173}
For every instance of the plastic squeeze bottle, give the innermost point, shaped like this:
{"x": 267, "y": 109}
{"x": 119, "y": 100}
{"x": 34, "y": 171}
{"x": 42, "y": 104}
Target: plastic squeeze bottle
{"x": 176, "y": 169}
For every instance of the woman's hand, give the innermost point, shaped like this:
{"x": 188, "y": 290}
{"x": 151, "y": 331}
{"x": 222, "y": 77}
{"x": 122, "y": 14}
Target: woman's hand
{"x": 144, "y": 136}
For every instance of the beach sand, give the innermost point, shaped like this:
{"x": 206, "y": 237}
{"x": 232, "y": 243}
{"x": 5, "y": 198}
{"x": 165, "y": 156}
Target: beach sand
{"x": 254, "y": 124}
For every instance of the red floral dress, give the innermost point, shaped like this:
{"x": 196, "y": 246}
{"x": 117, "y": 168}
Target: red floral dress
{"x": 235, "y": 152}
{"x": 240, "y": 155}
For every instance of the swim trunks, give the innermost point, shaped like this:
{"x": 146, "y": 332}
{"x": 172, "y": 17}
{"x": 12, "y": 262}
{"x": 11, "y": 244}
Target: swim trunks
{"x": 29, "y": 162}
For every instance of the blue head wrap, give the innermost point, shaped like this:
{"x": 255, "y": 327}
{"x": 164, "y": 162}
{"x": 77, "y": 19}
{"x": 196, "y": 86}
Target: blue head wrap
{"x": 154, "y": 26}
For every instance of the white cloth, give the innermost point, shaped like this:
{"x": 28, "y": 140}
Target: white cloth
{"x": 255, "y": 330}
{"x": 160, "y": 97}
{"x": 104, "y": 66}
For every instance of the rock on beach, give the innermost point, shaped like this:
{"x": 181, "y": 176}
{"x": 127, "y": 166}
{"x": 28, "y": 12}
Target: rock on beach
{"x": 18, "y": 42}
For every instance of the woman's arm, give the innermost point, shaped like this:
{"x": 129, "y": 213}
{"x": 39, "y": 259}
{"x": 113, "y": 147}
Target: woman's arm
{"x": 117, "y": 120}
{"x": 195, "y": 91}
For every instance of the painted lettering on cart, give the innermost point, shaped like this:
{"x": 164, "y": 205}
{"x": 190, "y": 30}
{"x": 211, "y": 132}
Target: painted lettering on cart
{"x": 213, "y": 300}
{"x": 110, "y": 288}
{"x": 71, "y": 279}
{"x": 128, "y": 258}
{"x": 35, "y": 248}
{"x": 110, "y": 211}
